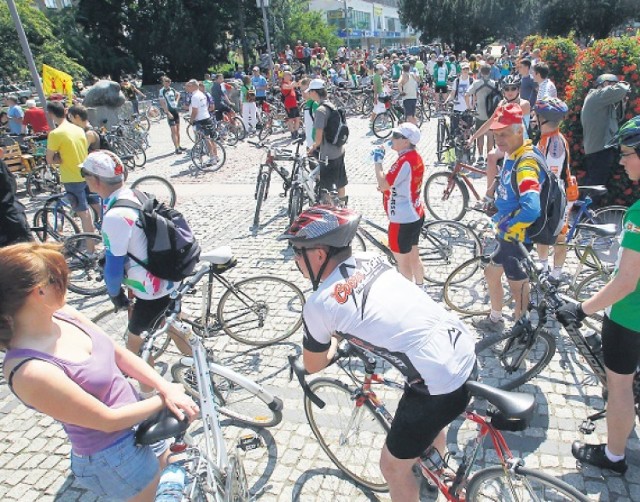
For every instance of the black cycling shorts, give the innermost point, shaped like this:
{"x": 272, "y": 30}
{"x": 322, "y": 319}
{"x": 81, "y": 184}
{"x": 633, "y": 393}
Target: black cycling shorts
{"x": 508, "y": 255}
{"x": 205, "y": 126}
{"x": 145, "y": 314}
{"x": 293, "y": 113}
{"x": 620, "y": 347}
{"x": 173, "y": 117}
{"x": 220, "y": 109}
{"x": 333, "y": 175}
{"x": 442, "y": 89}
{"x": 420, "y": 418}
{"x": 403, "y": 236}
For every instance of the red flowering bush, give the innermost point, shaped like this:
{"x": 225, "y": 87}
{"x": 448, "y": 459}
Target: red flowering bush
{"x": 621, "y": 57}
{"x": 560, "y": 54}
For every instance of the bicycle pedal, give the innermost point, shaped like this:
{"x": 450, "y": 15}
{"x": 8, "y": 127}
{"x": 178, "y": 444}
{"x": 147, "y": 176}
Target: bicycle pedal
{"x": 249, "y": 442}
{"x": 587, "y": 427}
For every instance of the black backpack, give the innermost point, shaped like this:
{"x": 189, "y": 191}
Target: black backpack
{"x": 172, "y": 249}
{"x": 104, "y": 142}
{"x": 491, "y": 100}
{"x": 336, "y": 132}
{"x": 553, "y": 202}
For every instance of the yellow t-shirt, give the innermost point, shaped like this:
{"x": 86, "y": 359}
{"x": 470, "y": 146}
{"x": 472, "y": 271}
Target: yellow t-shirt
{"x": 70, "y": 142}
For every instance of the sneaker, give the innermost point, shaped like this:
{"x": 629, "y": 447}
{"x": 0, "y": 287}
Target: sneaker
{"x": 594, "y": 454}
{"x": 178, "y": 151}
{"x": 480, "y": 161}
{"x": 487, "y": 325}
{"x": 182, "y": 149}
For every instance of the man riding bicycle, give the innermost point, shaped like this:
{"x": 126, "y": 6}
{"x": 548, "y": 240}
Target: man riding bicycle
{"x": 365, "y": 300}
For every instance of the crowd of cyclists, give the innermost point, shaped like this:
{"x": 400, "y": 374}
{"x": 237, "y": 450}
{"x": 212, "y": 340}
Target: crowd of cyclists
{"x": 60, "y": 364}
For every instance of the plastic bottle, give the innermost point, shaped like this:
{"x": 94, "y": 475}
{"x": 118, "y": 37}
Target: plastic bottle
{"x": 377, "y": 154}
{"x": 171, "y": 485}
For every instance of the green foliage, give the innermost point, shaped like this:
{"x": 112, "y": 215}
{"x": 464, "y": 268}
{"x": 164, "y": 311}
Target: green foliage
{"x": 621, "y": 57}
{"x": 46, "y": 47}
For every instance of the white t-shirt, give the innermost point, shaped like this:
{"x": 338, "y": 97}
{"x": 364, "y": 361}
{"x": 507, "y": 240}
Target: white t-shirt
{"x": 547, "y": 89}
{"x": 122, "y": 235}
{"x": 462, "y": 86}
{"x": 199, "y": 102}
{"x": 367, "y": 302}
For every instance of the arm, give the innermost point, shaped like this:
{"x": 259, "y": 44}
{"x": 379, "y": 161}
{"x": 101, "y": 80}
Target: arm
{"x": 528, "y": 187}
{"x": 319, "y": 134}
{"x": 114, "y": 272}
{"x": 317, "y": 361}
{"x": 383, "y": 184}
{"x": 51, "y": 156}
{"x": 92, "y": 139}
{"x": 484, "y": 128}
{"x": 612, "y": 94}
{"x": 163, "y": 102}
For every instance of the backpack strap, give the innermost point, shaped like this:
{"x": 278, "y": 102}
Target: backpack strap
{"x": 514, "y": 171}
{"x": 142, "y": 198}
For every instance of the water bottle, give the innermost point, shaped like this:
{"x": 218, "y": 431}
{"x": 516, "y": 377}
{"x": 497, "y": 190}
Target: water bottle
{"x": 171, "y": 485}
{"x": 377, "y": 154}
{"x": 432, "y": 459}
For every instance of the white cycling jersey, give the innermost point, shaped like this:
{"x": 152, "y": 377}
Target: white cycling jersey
{"x": 367, "y": 302}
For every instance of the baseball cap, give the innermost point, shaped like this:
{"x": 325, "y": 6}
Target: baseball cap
{"x": 103, "y": 164}
{"x": 606, "y": 77}
{"x": 440, "y": 57}
{"x": 409, "y": 131}
{"x": 464, "y": 65}
{"x": 380, "y": 67}
{"x": 507, "y": 115}
{"x": 255, "y": 68}
{"x": 316, "y": 83}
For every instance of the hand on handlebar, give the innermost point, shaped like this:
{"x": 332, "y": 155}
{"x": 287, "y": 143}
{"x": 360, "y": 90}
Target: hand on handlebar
{"x": 570, "y": 313}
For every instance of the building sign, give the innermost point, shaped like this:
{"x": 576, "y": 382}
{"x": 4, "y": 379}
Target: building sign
{"x": 335, "y": 14}
{"x": 377, "y": 11}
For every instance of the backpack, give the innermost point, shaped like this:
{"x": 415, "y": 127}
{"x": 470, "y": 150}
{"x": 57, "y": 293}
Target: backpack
{"x": 172, "y": 250}
{"x": 553, "y": 203}
{"x": 491, "y": 100}
{"x": 336, "y": 132}
{"x": 104, "y": 142}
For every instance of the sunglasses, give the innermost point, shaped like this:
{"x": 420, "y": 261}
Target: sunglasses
{"x": 397, "y": 135}
{"x": 510, "y": 88}
{"x": 86, "y": 174}
{"x": 628, "y": 153}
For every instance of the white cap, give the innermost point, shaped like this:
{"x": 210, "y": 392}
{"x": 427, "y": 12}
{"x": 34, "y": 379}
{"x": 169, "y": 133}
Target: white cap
{"x": 255, "y": 68}
{"x": 316, "y": 83}
{"x": 381, "y": 67}
{"x": 31, "y": 103}
{"x": 409, "y": 131}
{"x": 104, "y": 164}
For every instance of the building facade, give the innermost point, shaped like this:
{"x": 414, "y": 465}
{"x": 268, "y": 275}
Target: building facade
{"x": 363, "y": 23}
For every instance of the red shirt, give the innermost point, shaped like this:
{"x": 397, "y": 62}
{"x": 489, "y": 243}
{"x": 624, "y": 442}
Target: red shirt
{"x": 290, "y": 99}
{"x": 36, "y": 118}
{"x": 402, "y": 202}
{"x": 299, "y": 51}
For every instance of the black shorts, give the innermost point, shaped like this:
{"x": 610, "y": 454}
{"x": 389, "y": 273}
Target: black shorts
{"x": 173, "y": 117}
{"x": 333, "y": 175}
{"x": 508, "y": 256}
{"x": 403, "y": 236}
{"x": 205, "y": 126}
{"x": 145, "y": 314}
{"x": 293, "y": 113}
{"x": 220, "y": 109}
{"x": 409, "y": 107}
{"x": 260, "y": 100}
{"x": 420, "y": 418}
{"x": 442, "y": 89}
{"x": 620, "y": 347}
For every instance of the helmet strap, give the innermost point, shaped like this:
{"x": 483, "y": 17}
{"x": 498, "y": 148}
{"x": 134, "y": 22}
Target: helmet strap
{"x": 315, "y": 279}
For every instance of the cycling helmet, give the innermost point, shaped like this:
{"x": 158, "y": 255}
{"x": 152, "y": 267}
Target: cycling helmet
{"x": 511, "y": 80}
{"x": 551, "y": 109}
{"x": 606, "y": 77}
{"x": 323, "y": 226}
{"x": 628, "y": 135}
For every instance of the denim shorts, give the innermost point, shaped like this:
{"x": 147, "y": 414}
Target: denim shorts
{"x": 79, "y": 196}
{"x": 119, "y": 472}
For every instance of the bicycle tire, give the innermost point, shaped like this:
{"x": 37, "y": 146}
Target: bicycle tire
{"x": 261, "y": 310}
{"x": 605, "y": 248}
{"x": 296, "y": 202}
{"x": 497, "y": 483}
{"x": 238, "y": 126}
{"x": 440, "y": 139}
{"x": 465, "y": 290}
{"x": 226, "y": 133}
{"x": 190, "y": 134}
{"x": 55, "y": 223}
{"x": 158, "y": 186}
{"x": 366, "y": 105}
{"x": 200, "y": 156}
{"x": 86, "y": 276}
{"x": 234, "y": 401}
{"x": 348, "y": 447}
{"x": 261, "y": 190}
{"x": 446, "y": 196}
{"x": 443, "y": 246}
{"x": 496, "y": 353}
{"x": 383, "y": 125}
{"x": 42, "y": 180}
{"x": 419, "y": 115}
{"x": 154, "y": 113}
{"x": 236, "y": 488}
{"x": 358, "y": 244}
{"x": 586, "y": 289}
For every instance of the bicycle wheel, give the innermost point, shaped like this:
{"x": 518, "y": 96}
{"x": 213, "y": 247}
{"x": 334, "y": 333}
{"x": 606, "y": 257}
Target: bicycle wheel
{"x": 358, "y": 244}
{"x": 366, "y": 105}
{"x": 351, "y": 434}
{"x": 261, "y": 310}
{"x": 234, "y": 401}
{"x": 238, "y": 127}
{"x": 507, "y": 361}
{"x": 440, "y": 139}
{"x": 227, "y": 134}
{"x": 419, "y": 116}
{"x": 587, "y": 289}
{"x": 265, "y": 131}
{"x": 296, "y": 201}
{"x": 605, "y": 248}
{"x": 191, "y": 133}
{"x": 236, "y": 488}
{"x": 444, "y": 246}
{"x": 498, "y": 483}
{"x": 159, "y": 187}
{"x": 261, "y": 190}
{"x": 42, "y": 181}
{"x": 83, "y": 253}
{"x": 383, "y": 124}
{"x": 446, "y": 196}
{"x": 465, "y": 290}
{"x": 154, "y": 113}
{"x": 54, "y": 223}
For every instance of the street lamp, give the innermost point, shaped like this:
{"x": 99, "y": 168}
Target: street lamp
{"x": 263, "y": 4}
{"x": 346, "y": 22}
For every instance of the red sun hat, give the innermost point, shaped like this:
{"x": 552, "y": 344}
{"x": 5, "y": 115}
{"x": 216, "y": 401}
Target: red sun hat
{"x": 507, "y": 115}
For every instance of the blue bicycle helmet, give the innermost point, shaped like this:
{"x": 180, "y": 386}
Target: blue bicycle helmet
{"x": 551, "y": 109}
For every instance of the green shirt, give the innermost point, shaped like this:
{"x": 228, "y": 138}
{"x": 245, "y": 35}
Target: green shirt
{"x": 396, "y": 71}
{"x": 626, "y": 312}
{"x": 377, "y": 83}
{"x": 420, "y": 68}
{"x": 312, "y": 106}
{"x": 207, "y": 85}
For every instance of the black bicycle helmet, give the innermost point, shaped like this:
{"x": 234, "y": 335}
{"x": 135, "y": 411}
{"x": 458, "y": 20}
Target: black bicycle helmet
{"x": 511, "y": 80}
{"x": 551, "y": 109}
{"x": 323, "y": 226}
{"x": 628, "y": 135}
{"x": 606, "y": 77}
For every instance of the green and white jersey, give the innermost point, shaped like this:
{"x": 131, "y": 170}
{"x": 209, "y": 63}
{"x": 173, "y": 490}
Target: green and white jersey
{"x": 440, "y": 75}
{"x": 626, "y": 312}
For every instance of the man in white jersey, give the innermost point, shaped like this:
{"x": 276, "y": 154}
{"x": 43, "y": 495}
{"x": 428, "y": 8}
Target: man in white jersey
{"x": 363, "y": 299}
{"x": 201, "y": 118}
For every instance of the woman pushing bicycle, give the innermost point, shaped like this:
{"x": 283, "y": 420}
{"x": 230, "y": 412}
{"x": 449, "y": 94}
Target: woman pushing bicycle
{"x": 61, "y": 364}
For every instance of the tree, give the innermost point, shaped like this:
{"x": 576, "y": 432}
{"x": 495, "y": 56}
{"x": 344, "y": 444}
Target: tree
{"x": 45, "y": 46}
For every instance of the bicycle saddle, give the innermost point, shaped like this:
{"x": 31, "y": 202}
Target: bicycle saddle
{"x": 162, "y": 425}
{"x": 218, "y": 256}
{"x": 594, "y": 189}
{"x": 602, "y": 230}
{"x": 513, "y": 405}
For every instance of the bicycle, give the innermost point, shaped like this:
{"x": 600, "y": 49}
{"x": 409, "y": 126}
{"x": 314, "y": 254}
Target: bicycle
{"x": 161, "y": 189}
{"x": 211, "y": 472}
{"x": 201, "y": 151}
{"x": 450, "y": 146}
{"x": 384, "y": 122}
{"x": 350, "y": 423}
{"x": 257, "y": 311}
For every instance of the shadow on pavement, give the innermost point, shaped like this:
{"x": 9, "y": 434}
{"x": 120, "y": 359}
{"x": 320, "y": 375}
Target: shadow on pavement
{"x": 311, "y": 483}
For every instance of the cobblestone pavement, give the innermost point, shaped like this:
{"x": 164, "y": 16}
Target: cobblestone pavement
{"x": 34, "y": 452}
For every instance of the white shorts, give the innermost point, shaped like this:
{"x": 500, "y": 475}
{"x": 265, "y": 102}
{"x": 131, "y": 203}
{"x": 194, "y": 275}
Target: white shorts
{"x": 379, "y": 108}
